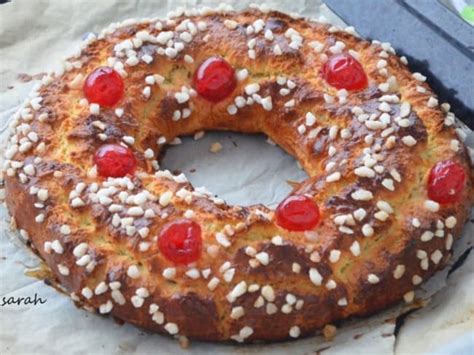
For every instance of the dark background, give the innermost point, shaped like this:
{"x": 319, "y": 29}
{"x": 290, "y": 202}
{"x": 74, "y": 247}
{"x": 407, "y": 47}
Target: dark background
{"x": 436, "y": 41}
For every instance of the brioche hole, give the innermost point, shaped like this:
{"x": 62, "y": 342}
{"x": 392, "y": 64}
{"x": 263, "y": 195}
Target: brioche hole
{"x": 246, "y": 171}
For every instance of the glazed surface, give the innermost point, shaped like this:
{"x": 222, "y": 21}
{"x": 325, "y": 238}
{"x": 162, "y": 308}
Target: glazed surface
{"x": 368, "y": 155}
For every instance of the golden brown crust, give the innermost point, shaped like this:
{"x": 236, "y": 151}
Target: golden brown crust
{"x": 312, "y": 278}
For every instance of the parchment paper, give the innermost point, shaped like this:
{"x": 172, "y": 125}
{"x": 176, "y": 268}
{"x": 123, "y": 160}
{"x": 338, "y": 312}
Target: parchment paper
{"x": 35, "y": 33}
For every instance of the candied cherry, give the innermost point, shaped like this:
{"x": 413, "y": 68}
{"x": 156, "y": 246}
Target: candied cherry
{"x": 343, "y": 71}
{"x": 446, "y": 182}
{"x": 298, "y": 213}
{"x": 180, "y": 241}
{"x": 114, "y": 160}
{"x": 104, "y": 86}
{"x": 214, "y": 79}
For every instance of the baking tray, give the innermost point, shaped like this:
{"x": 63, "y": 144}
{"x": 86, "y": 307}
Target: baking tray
{"x": 437, "y": 43}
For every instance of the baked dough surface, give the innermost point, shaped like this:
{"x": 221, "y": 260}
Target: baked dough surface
{"x": 379, "y": 237}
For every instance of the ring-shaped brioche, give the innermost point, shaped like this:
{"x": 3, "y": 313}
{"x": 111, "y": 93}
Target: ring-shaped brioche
{"x": 379, "y": 236}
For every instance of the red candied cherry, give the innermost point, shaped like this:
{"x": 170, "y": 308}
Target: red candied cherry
{"x": 298, "y": 213}
{"x": 114, "y": 160}
{"x": 104, "y": 86}
{"x": 446, "y": 182}
{"x": 214, "y": 79}
{"x": 180, "y": 241}
{"x": 343, "y": 71}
